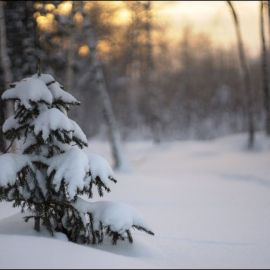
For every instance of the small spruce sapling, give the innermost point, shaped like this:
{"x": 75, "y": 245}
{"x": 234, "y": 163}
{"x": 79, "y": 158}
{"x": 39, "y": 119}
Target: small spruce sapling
{"x": 51, "y": 169}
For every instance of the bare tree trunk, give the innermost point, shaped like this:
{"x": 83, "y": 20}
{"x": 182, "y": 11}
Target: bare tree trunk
{"x": 245, "y": 77}
{"x": 132, "y": 67}
{"x": 70, "y": 64}
{"x": 71, "y": 53}
{"x": 5, "y": 61}
{"x": 148, "y": 77}
{"x": 120, "y": 163}
{"x": 265, "y": 71}
{"x": 114, "y": 134}
{"x": 268, "y": 9}
{"x": 6, "y": 109}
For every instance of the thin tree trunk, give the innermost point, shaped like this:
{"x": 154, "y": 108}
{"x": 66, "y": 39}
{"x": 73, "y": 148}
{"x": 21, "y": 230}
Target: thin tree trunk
{"x": 131, "y": 68}
{"x": 120, "y": 163}
{"x": 5, "y": 61}
{"x": 37, "y": 224}
{"x": 7, "y": 108}
{"x": 114, "y": 134}
{"x": 245, "y": 77}
{"x": 2, "y": 119}
{"x": 268, "y": 9}
{"x": 148, "y": 81}
{"x": 265, "y": 71}
{"x": 70, "y": 64}
{"x": 71, "y": 53}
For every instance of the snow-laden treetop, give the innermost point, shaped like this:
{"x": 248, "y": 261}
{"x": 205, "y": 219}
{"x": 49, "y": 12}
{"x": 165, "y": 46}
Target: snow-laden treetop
{"x": 42, "y": 106}
{"x": 36, "y": 89}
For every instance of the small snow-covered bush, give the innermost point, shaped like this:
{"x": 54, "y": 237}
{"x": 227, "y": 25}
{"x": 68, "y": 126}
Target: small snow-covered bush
{"x": 51, "y": 170}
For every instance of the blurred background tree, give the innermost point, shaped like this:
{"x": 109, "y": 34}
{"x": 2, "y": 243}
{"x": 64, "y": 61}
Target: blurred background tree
{"x": 158, "y": 88}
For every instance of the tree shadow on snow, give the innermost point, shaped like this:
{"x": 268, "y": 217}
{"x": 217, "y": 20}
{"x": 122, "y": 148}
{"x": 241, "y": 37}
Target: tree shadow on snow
{"x": 139, "y": 248}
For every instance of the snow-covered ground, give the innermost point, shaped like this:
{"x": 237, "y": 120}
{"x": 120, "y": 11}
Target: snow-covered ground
{"x": 207, "y": 202}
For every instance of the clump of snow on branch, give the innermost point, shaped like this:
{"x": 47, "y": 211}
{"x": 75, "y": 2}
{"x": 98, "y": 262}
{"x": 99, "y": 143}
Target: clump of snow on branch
{"x": 10, "y": 165}
{"x": 78, "y": 168}
{"x": 78, "y": 133}
{"x": 26, "y": 92}
{"x": 51, "y": 120}
{"x": 71, "y": 166}
{"x": 100, "y": 168}
{"x": 119, "y": 217}
{"x": 59, "y": 95}
{"x": 46, "y": 78}
{"x": 10, "y": 123}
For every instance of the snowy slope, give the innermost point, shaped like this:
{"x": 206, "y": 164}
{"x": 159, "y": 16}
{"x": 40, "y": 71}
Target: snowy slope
{"x": 207, "y": 202}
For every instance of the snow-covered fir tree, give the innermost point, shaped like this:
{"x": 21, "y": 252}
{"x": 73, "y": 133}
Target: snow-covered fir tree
{"x": 51, "y": 169}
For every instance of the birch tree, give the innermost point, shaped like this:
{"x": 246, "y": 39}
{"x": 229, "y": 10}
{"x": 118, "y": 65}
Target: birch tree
{"x": 96, "y": 69}
{"x": 109, "y": 117}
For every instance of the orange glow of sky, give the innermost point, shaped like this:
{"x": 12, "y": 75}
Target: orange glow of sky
{"x": 210, "y": 17}
{"x": 213, "y": 18}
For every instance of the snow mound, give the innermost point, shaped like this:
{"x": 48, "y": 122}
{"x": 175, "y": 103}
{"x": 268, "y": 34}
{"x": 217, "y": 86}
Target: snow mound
{"x": 59, "y": 95}
{"x": 46, "y": 253}
{"x": 10, "y": 165}
{"x": 51, "y": 120}
{"x": 29, "y": 90}
{"x": 71, "y": 166}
